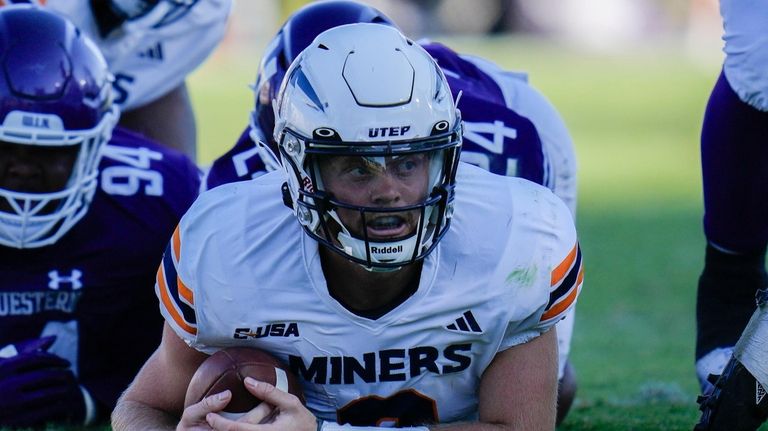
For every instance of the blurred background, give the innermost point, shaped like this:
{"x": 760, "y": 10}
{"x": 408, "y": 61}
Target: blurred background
{"x": 631, "y": 78}
{"x": 686, "y": 30}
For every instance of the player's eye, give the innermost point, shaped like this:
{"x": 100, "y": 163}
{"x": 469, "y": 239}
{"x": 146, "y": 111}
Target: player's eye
{"x": 359, "y": 171}
{"x": 409, "y": 165}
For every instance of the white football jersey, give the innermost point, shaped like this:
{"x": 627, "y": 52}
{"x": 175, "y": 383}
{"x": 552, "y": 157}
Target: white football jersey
{"x": 152, "y": 55}
{"x": 240, "y": 271}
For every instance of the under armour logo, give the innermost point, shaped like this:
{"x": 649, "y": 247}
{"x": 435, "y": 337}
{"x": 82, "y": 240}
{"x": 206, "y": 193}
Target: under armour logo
{"x": 465, "y": 323}
{"x": 55, "y": 279}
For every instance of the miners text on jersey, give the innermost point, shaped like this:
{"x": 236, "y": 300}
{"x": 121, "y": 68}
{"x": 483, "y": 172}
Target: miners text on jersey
{"x": 390, "y": 365}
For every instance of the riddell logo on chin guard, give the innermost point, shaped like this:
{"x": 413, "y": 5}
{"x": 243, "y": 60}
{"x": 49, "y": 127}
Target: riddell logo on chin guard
{"x": 387, "y": 250}
{"x": 306, "y": 184}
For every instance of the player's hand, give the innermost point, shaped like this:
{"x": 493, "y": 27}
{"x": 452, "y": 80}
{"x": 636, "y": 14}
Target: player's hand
{"x": 37, "y": 386}
{"x": 26, "y": 346}
{"x": 193, "y": 418}
{"x": 288, "y": 413}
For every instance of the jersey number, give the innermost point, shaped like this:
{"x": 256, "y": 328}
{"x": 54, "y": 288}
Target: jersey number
{"x": 119, "y": 85}
{"x": 476, "y": 132}
{"x": 127, "y": 180}
{"x": 403, "y": 409}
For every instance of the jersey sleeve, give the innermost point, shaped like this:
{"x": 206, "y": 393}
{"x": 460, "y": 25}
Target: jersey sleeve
{"x": 565, "y": 284}
{"x": 557, "y": 254}
{"x": 195, "y": 269}
{"x": 564, "y": 263}
{"x": 177, "y": 301}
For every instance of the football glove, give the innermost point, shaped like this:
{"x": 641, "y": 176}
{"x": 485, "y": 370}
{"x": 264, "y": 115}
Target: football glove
{"x": 38, "y": 387}
{"x": 27, "y": 346}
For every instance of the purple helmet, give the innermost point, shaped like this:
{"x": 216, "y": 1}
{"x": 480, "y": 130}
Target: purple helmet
{"x": 55, "y": 91}
{"x": 298, "y": 31}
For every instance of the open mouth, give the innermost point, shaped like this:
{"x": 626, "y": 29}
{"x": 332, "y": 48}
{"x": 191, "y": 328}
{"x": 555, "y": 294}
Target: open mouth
{"x": 387, "y": 226}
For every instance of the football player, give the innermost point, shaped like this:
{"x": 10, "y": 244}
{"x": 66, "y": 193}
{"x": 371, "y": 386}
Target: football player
{"x": 734, "y": 159}
{"x": 85, "y": 212}
{"x": 421, "y": 290}
{"x": 151, "y": 46}
{"x": 509, "y": 127}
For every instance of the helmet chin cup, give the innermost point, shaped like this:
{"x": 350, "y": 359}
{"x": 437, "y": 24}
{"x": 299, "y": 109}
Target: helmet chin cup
{"x": 380, "y": 252}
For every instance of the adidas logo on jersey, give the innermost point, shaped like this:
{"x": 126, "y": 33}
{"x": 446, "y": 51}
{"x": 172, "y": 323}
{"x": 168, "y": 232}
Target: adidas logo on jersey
{"x": 465, "y": 323}
{"x": 154, "y": 52}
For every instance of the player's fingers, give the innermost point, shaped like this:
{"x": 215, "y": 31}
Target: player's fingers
{"x": 196, "y": 412}
{"x": 259, "y": 414}
{"x": 220, "y": 423}
{"x": 266, "y": 392}
{"x": 38, "y": 344}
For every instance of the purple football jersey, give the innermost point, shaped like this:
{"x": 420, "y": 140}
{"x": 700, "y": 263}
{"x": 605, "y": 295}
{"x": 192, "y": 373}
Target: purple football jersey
{"x": 496, "y": 137}
{"x": 94, "y": 288}
{"x": 241, "y": 162}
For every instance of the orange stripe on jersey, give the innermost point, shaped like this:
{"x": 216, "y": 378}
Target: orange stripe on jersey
{"x": 562, "y": 269}
{"x": 169, "y": 305}
{"x": 185, "y": 292}
{"x": 176, "y": 241}
{"x": 567, "y": 301}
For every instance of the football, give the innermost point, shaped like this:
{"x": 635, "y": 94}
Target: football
{"x": 227, "y": 368}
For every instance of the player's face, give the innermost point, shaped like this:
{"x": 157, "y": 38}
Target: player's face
{"x": 383, "y": 182}
{"x": 35, "y": 169}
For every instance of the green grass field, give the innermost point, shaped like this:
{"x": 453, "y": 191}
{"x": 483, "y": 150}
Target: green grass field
{"x": 635, "y": 119}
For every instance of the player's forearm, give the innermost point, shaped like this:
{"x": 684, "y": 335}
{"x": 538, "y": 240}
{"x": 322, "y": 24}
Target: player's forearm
{"x": 133, "y": 415}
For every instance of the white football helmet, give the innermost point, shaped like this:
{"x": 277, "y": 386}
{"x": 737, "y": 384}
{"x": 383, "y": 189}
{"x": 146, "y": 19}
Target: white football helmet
{"x": 365, "y": 91}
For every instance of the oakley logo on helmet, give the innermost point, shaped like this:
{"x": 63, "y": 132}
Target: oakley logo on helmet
{"x": 388, "y": 131}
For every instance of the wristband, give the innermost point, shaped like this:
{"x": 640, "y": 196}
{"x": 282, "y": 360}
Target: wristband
{"x": 333, "y": 426}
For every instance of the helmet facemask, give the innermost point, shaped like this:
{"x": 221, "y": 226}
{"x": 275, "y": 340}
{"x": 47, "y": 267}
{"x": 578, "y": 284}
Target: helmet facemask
{"x": 343, "y": 204}
{"x": 33, "y": 219}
